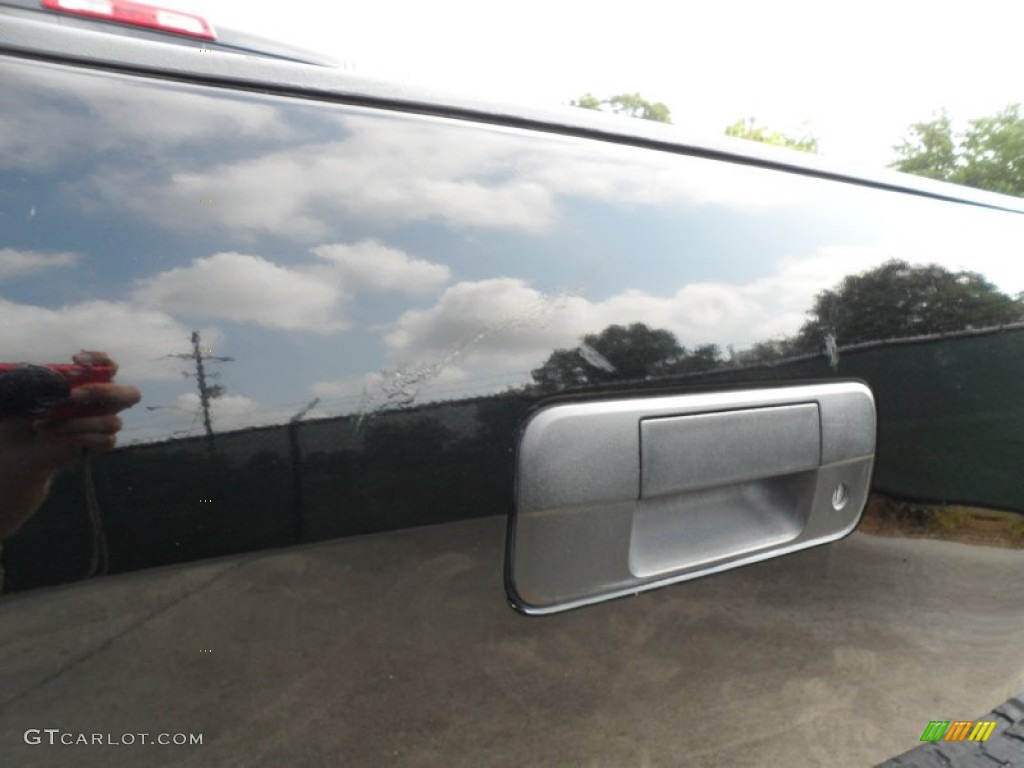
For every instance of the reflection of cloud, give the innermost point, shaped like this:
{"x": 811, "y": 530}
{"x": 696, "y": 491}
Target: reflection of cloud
{"x": 409, "y": 169}
{"x": 230, "y": 412}
{"x": 226, "y": 406}
{"x": 303, "y": 297}
{"x": 262, "y": 196}
{"x": 132, "y": 336}
{"x": 505, "y": 325}
{"x": 14, "y": 263}
{"x": 394, "y": 171}
{"x": 784, "y": 297}
{"x": 389, "y": 388}
{"x": 36, "y": 134}
{"x": 377, "y": 268}
{"x": 501, "y": 322}
{"x": 626, "y": 176}
{"x": 244, "y": 288}
{"x": 384, "y": 171}
{"x": 411, "y": 385}
{"x": 962, "y": 237}
{"x": 349, "y": 387}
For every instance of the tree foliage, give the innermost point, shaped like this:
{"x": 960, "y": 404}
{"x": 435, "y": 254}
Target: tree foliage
{"x": 749, "y": 129}
{"x": 930, "y": 150}
{"x": 629, "y": 104}
{"x": 989, "y": 154}
{"x": 897, "y": 300}
{"x": 588, "y": 101}
{"x": 769, "y": 351}
{"x": 621, "y": 353}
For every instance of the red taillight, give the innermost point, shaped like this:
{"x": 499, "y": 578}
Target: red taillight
{"x": 137, "y": 14}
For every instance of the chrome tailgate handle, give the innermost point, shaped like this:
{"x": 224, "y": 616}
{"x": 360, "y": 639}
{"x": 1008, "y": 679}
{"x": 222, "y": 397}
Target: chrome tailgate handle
{"x": 617, "y": 496}
{"x": 681, "y": 453}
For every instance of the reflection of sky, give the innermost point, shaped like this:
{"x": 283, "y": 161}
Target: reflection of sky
{"x": 340, "y": 245}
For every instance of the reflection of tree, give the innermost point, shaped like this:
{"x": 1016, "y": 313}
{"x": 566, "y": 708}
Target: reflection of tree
{"x": 894, "y": 300}
{"x": 623, "y": 353}
{"x": 898, "y": 300}
{"x": 767, "y": 352}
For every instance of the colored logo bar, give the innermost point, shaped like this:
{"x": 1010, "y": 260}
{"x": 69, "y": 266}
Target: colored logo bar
{"x": 958, "y": 730}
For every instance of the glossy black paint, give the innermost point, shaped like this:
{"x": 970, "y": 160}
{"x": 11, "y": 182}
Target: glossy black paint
{"x": 429, "y": 269}
{"x": 407, "y": 277}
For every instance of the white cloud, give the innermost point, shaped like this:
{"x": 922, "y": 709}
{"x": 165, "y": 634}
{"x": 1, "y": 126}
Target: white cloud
{"x": 373, "y": 267}
{"x": 506, "y": 325}
{"x": 226, "y": 406}
{"x": 352, "y": 388}
{"x": 430, "y": 169}
{"x": 36, "y": 134}
{"x": 387, "y": 171}
{"x": 628, "y": 176}
{"x": 310, "y": 296}
{"x": 392, "y": 172}
{"x": 962, "y": 237}
{"x": 402, "y": 385}
{"x": 783, "y": 298}
{"x": 137, "y": 338}
{"x": 14, "y": 263}
{"x": 270, "y": 194}
{"x": 501, "y": 321}
{"x": 231, "y": 411}
{"x": 244, "y": 288}
{"x": 368, "y": 383}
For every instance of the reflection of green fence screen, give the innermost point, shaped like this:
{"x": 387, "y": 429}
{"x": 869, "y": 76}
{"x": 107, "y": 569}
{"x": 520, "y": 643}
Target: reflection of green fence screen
{"x": 950, "y": 429}
{"x": 950, "y": 415}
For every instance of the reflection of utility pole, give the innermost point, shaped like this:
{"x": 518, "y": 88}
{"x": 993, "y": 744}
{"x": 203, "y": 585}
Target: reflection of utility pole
{"x": 206, "y": 392}
{"x": 309, "y": 406}
{"x": 298, "y": 524}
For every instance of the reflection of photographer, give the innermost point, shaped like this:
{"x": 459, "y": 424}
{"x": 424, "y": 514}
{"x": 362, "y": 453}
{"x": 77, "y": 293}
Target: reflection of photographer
{"x": 34, "y": 445}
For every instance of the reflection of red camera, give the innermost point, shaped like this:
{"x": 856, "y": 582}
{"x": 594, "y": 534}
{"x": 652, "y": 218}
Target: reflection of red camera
{"x": 43, "y": 390}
